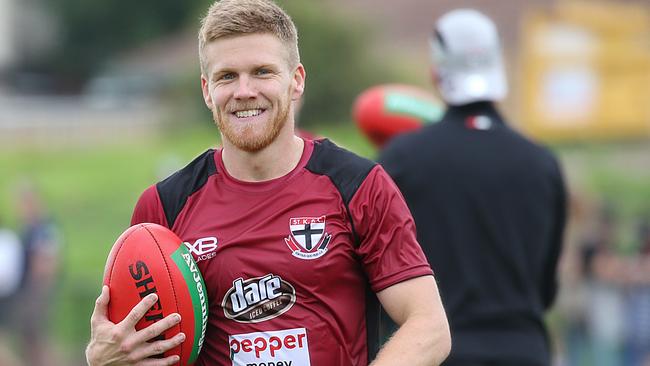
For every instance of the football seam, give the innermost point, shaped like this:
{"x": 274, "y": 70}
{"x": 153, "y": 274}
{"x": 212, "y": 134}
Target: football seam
{"x": 171, "y": 282}
{"x": 118, "y": 251}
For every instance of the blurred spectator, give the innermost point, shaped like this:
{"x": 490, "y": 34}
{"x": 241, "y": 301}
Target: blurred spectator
{"x": 603, "y": 273}
{"x": 572, "y": 339}
{"x": 489, "y": 205}
{"x": 637, "y": 302}
{"x": 11, "y": 269}
{"x": 41, "y": 245}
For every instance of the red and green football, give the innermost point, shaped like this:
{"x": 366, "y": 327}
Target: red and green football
{"x": 385, "y": 111}
{"x": 149, "y": 258}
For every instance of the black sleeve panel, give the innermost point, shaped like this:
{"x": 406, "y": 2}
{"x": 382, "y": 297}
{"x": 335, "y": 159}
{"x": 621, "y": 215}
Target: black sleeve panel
{"x": 176, "y": 189}
{"x": 346, "y": 170}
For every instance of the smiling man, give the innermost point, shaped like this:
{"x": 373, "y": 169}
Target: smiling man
{"x": 298, "y": 240}
{"x": 247, "y": 120}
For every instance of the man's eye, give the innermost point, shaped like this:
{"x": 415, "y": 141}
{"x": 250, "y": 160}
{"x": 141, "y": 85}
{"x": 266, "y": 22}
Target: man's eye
{"x": 228, "y": 76}
{"x": 263, "y": 71}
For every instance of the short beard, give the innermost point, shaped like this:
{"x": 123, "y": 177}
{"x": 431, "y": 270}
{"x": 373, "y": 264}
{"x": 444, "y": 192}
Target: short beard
{"x": 244, "y": 137}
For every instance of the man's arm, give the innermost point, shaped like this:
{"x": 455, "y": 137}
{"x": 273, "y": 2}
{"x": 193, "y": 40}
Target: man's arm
{"x": 120, "y": 344}
{"x": 423, "y": 337}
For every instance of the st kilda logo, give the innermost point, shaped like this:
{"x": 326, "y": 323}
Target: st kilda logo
{"x": 258, "y": 299}
{"x": 308, "y": 239}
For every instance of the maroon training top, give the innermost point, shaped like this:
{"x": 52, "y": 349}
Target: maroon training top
{"x": 288, "y": 262}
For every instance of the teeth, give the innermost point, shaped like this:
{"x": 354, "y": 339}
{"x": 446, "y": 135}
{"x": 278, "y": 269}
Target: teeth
{"x": 248, "y": 113}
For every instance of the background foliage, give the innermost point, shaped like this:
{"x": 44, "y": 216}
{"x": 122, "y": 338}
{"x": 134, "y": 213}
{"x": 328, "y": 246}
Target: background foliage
{"x": 334, "y": 47}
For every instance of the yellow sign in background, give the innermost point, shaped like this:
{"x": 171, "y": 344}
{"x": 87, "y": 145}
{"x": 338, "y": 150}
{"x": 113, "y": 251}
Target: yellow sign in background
{"x": 585, "y": 72}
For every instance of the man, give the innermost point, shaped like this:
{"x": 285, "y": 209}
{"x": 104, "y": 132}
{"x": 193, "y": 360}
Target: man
{"x": 41, "y": 244}
{"x": 489, "y": 204}
{"x": 319, "y": 223}
{"x": 11, "y": 270}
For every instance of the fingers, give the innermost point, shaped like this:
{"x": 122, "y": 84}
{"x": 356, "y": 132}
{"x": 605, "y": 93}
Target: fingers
{"x": 155, "y": 348}
{"x": 101, "y": 306}
{"x": 157, "y": 328}
{"x": 138, "y": 311}
{"x": 168, "y": 361}
{"x": 123, "y": 342}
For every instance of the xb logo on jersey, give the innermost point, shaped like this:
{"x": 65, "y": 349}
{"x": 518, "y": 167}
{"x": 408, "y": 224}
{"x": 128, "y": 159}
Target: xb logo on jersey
{"x": 203, "y": 248}
{"x": 308, "y": 239}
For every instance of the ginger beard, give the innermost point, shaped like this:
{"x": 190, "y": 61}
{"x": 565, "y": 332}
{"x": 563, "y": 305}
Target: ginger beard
{"x": 252, "y": 137}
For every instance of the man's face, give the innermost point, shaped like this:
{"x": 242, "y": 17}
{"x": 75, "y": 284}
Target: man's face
{"x": 248, "y": 85}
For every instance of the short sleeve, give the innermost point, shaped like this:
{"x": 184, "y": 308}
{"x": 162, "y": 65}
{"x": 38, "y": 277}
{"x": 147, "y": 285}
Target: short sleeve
{"x": 149, "y": 208}
{"x": 388, "y": 248}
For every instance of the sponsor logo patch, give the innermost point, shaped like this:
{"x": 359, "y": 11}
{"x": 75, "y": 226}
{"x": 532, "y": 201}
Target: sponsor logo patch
{"x": 308, "y": 239}
{"x": 146, "y": 285}
{"x": 203, "y": 248}
{"x": 258, "y": 299}
{"x": 288, "y": 347}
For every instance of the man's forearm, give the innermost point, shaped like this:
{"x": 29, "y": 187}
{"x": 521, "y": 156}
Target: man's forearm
{"x": 418, "y": 342}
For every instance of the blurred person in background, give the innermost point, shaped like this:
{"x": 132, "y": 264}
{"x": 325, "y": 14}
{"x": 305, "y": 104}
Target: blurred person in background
{"x": 489, "y": 204}
{"x": 41, "y": 240}
{"x": 11, "y": 271}
{"x": 326, "y": 222}
{"x": 636, "y": 349}
{"x": 572, "y": 338}
{"x": 604, "y": 275}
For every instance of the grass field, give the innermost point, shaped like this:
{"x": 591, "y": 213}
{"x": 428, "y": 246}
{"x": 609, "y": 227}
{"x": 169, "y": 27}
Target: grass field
{"x": 91, "y": 192}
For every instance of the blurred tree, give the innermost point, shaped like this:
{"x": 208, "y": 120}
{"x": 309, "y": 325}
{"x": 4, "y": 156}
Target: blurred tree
{"x": 93, "y": 31}
{"x": 334, "y": 45}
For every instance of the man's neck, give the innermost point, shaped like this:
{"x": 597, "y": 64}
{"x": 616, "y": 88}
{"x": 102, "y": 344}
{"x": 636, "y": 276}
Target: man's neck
{"x": 274, "y": 161}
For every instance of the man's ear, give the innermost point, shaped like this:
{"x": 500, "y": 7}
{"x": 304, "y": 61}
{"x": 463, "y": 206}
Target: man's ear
{"x": 206, "y": 93}
{"x": 298, "y": 82}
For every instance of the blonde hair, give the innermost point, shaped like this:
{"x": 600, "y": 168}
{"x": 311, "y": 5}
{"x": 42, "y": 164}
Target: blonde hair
{"x": 239, "y": 17}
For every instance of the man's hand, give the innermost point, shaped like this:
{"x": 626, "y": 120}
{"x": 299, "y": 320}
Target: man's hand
{"x": 120, "y": 344}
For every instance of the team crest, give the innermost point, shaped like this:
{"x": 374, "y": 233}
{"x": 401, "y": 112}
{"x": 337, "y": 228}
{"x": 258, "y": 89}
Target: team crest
{"x": 308, "y": 239}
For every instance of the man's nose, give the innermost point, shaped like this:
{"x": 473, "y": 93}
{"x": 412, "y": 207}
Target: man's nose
{"x": 245, "y": 88}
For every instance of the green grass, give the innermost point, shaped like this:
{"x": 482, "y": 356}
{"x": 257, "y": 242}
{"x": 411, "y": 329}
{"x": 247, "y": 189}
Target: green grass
{"x": 349, "y": 137}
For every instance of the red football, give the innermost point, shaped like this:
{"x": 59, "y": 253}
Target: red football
{"x": 384, "y": 111}
{"x": 149, "y": 258}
